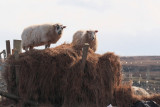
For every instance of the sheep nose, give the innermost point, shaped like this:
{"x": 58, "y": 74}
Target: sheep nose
{"x": 60, "y": 32}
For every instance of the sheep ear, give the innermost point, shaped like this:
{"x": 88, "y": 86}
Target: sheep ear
{"x": 96, "y": 31}
{"x": 64, "y": 26}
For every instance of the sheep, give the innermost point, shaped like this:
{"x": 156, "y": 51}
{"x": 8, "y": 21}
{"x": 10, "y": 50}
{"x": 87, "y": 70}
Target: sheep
{"x": 38, "y": 35}
{"x": 86, "y": 36}
{"x": 139, "y": 91}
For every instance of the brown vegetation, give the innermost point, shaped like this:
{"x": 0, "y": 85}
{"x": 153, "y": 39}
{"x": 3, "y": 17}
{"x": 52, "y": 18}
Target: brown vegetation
{"x": 54, "y": 76}
{"x": 123, "y": 96}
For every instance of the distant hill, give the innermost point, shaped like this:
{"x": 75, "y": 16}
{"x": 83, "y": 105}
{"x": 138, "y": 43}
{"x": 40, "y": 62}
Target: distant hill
{"x": 143, "y": 70}
{"x": 141, "y": 63}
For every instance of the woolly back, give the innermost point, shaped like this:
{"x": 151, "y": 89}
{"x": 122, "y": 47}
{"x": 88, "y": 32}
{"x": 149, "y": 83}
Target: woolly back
{"x": 38, "y": 35}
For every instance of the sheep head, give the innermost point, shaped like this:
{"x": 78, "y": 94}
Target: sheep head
{"x": 59, "y": 28}
{"x": 91, "y": 34}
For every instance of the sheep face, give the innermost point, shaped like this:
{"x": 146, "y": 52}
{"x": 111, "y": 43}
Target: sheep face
{"x": 91, "y": 34}
{"x": 59, "y": 29}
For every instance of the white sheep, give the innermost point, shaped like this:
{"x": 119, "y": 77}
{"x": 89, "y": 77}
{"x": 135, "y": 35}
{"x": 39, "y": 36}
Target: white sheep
{"x": 86, "y": 36}
{"x": 38, "y": 35}
{"x": 139, "y": 91}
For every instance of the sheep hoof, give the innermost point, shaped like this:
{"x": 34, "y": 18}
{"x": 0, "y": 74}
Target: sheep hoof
{"x": 47, "y": 46}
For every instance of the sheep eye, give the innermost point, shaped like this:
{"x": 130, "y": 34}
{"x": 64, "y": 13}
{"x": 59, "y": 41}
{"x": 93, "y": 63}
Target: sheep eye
{"x": 57, "y": 27}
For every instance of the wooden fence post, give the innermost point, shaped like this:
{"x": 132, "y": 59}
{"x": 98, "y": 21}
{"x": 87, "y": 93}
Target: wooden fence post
{"x": 4, "y": 54}
{"x": 16, "y": 50}
{"x": 84, "y": 56}
{"x": 8, "y": 49}
{"x": 1, "y": 65}
{"x": 17, "y": 98}
{"x": 17, "y": 45}
{"x": 0, "y": 59}
{"x": 16, "y": 55}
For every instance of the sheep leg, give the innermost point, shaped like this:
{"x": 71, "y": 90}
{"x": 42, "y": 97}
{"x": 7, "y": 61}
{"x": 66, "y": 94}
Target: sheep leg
{"x": 47, "y": 46}
{"x": 31, "y": 47}
{"x": 26, "y": 49}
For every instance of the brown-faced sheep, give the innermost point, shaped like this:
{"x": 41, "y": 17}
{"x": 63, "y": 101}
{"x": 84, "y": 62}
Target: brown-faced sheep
{"x": 86, "y": 36}
{"x": 38, "y": 35}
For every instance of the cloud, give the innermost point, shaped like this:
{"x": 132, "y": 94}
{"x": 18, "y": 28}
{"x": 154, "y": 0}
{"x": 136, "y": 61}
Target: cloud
{"x": 94, "y": 5}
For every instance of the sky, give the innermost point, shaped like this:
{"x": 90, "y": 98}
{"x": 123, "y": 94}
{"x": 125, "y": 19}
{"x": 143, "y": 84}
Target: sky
{"x": 126, "y": 27}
